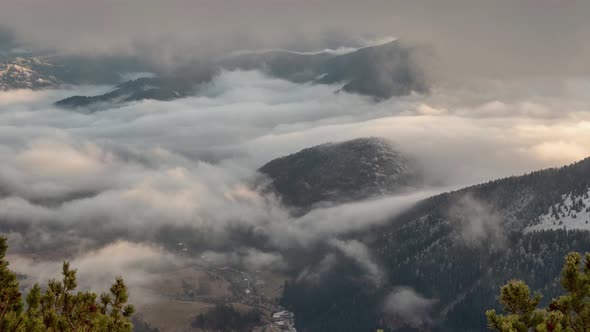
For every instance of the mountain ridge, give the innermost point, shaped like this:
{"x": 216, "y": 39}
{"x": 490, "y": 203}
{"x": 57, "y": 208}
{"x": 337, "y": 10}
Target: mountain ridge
{"x": 455, "y": 249}
{"x": 340, "y": 172}
{"x": 380, "y": 72}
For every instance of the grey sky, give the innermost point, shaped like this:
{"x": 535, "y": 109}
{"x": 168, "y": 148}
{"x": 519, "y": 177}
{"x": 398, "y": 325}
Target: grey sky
{"x": 501, "y": 37}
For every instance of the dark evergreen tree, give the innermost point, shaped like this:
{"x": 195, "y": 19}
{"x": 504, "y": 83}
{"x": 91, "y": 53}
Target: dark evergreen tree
{"x": 567, "y": 313}
{"x": 60, "y": 307}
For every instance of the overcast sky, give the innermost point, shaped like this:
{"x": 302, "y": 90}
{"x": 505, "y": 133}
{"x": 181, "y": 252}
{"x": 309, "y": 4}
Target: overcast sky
{"x": 501, "y": 37}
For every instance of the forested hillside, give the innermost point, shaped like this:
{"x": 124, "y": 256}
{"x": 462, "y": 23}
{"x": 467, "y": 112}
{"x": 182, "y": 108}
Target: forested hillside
{"x": 455, "y": 250}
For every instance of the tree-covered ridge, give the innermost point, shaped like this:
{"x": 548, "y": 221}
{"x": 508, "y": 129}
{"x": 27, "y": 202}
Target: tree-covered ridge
{"x": 341, "y": 172}
{"x": 59, "y": 307}
{"x": 567, "y": 313}
{"x": 457, "y": 249}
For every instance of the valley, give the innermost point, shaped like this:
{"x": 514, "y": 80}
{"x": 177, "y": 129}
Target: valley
{"x": 284, "y": 166}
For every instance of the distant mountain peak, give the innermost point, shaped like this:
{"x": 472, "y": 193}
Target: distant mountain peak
{"x": 25, "y": 73}
{"x": 340, "y": 172}
{"x": 381, "y": 70}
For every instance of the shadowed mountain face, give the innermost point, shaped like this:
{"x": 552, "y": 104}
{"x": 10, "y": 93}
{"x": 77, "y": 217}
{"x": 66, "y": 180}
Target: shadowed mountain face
{"x": 169, "y": 87}
{"x": 136, "y": 90}
{"x": 456, "y": 250}
{"x": 381, "y": 72}
{"x": 7, "y": 41}
{"x": 340, "y": 172}
{"x": 295, "y": 67}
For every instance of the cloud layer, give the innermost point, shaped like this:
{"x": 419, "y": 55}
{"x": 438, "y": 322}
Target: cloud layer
{"x": 405, "y": 306}
{"x": 135, "y": 180}
{"x": 499, "y": 38}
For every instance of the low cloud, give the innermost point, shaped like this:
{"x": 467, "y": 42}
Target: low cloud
{"x": 360, "y": 254}
{"x": 140, "y": 265}
{"x": 476, "y": 222}
{"x": 157, "y": 173}
{"x": 314, "y": 274}
{"x": 405, "y": 307}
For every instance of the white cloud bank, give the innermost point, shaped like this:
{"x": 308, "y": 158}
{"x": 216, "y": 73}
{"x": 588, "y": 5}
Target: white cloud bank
{"x": 150, "y": 171}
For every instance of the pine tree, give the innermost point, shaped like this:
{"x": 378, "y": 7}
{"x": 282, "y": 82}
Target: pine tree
{"x": 567, "y": 313}
{"x": 60, "y": 307}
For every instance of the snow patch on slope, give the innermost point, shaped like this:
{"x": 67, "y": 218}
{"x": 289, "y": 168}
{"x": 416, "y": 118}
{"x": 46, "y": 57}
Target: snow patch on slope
{"x": 573, "y": 213}
{"x": 334, "y": 51}
{"x": 21, "y": 74}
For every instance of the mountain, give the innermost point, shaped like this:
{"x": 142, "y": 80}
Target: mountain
{"x": 23, "y": 73}
{"x": 380, "y": 71}
{"x": 135, "y": 90}
{"x": 340, "y": 172}
{"x": 7, "y": 41}
{"x": 572, "y": 212}
{"x": 292, "y": 66}
{"x": 29, "y": 71}
{"x": 455, "y": 250}
{"x": 166, "y": 87}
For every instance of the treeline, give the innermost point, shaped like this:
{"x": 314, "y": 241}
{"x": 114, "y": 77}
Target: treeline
{"x": 568, "y": 312}
{"x": 59, "y": 306}
{"x": 442, "y": 270}
{"x": 424, "y": 248}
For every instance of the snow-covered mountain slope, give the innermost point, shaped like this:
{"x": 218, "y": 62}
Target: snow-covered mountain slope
{"x": 22, "y": 73}
{"x": 573, "y": 212}
{"x": 29, "y": 71}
